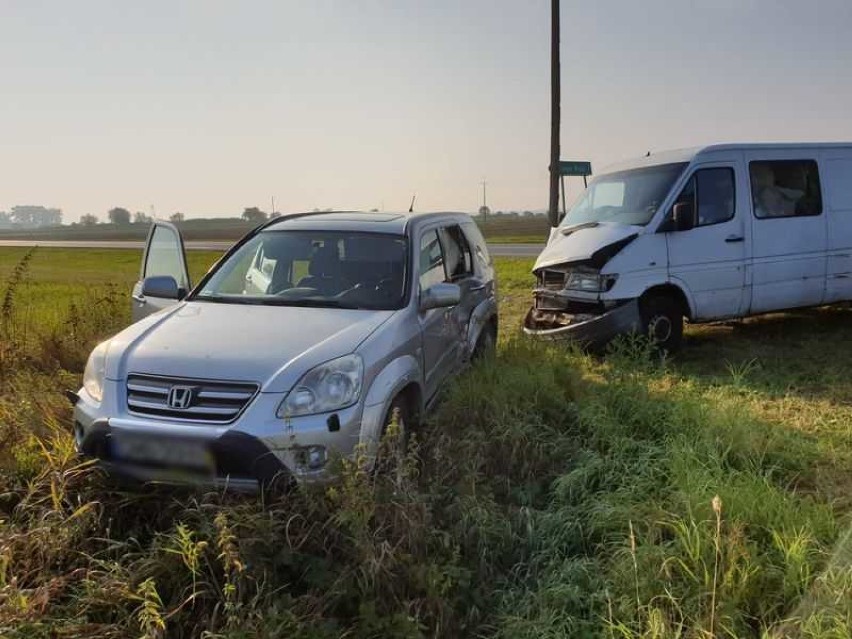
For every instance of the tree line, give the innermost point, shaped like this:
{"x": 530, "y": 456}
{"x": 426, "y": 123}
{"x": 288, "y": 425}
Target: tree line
{"x": 121, "y": 216}
{"x": 29, "y": 216}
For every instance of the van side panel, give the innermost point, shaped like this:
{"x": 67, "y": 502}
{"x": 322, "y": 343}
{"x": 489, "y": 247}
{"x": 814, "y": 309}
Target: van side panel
{"x": 837, "y": 188}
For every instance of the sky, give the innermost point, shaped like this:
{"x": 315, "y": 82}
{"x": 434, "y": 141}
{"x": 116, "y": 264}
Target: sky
{"x": 208, "y": 107}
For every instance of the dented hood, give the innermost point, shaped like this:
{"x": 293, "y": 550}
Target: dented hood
{"x": 580, "y": 242}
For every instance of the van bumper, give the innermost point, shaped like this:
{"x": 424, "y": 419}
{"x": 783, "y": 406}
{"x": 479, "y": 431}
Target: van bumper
{"x": 583, "y": 328}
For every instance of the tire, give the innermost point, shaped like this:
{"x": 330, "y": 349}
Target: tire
{"x": 486, "y": 344}
{"x": 662, "y": 322}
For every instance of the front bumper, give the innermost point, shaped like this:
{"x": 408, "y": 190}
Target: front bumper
{"x": 241, "y": 462}
{"x": 257, "y": 450}
{"x": 584, "y": 328}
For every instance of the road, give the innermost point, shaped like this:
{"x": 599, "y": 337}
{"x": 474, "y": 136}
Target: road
{"x": 498, "y": 250}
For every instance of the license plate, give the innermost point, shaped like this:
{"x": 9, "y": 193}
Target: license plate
{"x": 161, "y": 451}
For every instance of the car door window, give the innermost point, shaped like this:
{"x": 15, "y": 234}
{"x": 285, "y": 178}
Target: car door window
{"x": 431, "y": 260}
{"x": 712, "y": 194}
{"x": 165, "y": 256}
{"x": 457, "y": 256}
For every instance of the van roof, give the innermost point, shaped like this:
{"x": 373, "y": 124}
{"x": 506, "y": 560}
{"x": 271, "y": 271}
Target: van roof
{"x": 689, "y": 154}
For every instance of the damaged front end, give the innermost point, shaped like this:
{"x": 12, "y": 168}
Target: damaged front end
{"x": 568, "y": 304}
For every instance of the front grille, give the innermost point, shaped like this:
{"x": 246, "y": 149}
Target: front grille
{"x": 209, "y": 401}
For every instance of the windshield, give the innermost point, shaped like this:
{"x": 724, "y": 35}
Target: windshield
{"x": 313, "y": 268}
{"x": 625, "y": 197}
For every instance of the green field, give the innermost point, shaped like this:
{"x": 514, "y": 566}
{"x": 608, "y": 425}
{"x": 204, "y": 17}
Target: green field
{"x": 552, "y": 494}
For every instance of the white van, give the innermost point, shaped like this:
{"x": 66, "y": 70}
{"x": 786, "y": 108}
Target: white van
{"x": 705, "y": 234}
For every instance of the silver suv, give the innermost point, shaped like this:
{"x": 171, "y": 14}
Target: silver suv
{"x": 298, "y": 345}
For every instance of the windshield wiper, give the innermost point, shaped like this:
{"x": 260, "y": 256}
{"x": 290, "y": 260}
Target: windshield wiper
{"x": 273, "y": 301}
{"x": 225, "y": 299}
{"x": 306, "y": 302}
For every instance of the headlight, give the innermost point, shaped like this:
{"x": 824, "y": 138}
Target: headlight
{"x": 93, "y": 377}
{"x": 589, "y": 281}
{"x": 330, "y": 386}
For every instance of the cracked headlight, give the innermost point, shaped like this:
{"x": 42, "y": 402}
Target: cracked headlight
{"x": 589, "y": 281}
{"x": 330, "y": 386}
{"x": 93, "y": 376}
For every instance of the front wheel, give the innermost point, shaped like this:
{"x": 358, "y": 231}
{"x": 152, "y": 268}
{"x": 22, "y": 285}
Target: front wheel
{"x": 662, "y": 322}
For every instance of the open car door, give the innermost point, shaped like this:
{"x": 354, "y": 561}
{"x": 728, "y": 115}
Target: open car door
{"x": 164, "y": 278}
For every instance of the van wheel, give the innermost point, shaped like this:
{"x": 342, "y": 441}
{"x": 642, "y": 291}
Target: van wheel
{"x": 662, "y": 322}
{"x": 393, "y": 444}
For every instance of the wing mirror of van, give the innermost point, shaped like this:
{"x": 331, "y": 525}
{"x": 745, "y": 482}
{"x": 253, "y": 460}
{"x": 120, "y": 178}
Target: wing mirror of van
{"x": 161, "y": 286}
{"x": 440, "y": 296}
{"x": 683, "y": 216}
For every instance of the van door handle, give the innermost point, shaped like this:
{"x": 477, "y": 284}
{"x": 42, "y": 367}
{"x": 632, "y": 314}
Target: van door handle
{"x": 476, "y": 287}
{"x": 734, "y": 238}
{"x": 139, "y": 299}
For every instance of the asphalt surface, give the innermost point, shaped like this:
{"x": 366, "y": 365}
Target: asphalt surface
{"x": 498, "y": 250}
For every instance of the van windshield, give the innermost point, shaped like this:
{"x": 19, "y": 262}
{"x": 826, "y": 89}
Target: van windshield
{"x": 320, "y": 268}
{"x": 625, "y": 197}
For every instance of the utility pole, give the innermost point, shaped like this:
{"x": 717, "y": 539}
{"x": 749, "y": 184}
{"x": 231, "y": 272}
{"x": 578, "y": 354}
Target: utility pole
{"x": 555, "y": 101}
{"x": 272, "y": 215}
{"x": 484, "y": 208}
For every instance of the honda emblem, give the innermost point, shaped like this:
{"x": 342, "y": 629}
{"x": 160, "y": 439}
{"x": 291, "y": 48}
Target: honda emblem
{"x": 180, "y": 397}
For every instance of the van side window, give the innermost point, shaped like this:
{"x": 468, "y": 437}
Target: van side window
{"x": 712, "y": 195}
{"x": 785, "y": 188}
{"x": 457, "y": 256}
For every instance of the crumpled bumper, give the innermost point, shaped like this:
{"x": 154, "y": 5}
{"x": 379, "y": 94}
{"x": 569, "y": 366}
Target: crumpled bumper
{"x": 585, "y": 329}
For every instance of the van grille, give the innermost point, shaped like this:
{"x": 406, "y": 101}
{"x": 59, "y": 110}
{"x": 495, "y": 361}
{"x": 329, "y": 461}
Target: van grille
{"x": 204, "y": 401}
{"x": 551, "y": 280}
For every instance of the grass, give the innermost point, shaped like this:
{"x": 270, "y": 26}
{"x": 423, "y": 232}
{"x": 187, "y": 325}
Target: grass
{"x": 552, "y": 494}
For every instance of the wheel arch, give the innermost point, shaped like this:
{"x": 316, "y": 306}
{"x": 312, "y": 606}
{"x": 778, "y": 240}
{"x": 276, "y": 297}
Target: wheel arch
{"x": 483, "y": 316}
{"x": 673, "y": 291}
{"x": 401, "y": 375}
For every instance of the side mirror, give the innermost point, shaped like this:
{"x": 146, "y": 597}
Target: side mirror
{"x": 683, "y": 214}
{"x": 161, "y": 286}
{"x": 440, "y": 296}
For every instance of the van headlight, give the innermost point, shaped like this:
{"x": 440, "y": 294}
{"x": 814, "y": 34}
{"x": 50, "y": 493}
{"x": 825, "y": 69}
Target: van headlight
{"x": 589, "y": 281}
{"x": 93, "y": 376}
{"x": 330, "y": 386}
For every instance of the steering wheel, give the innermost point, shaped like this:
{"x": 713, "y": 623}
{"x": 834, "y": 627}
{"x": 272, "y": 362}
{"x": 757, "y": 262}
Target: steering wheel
{"x": 385, "y": 282}
{"x": 298, "y": 291}
{"x": 283, "y": 286}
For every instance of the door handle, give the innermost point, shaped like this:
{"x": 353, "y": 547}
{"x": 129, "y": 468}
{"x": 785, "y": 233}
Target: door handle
{"x": 139, "y": 299}
{"x": 734, "y": 238}
{"x": 476, "y": 287}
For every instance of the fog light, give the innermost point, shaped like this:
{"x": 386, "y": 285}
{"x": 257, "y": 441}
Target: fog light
{"x": 311, "y": 457}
